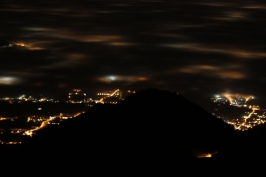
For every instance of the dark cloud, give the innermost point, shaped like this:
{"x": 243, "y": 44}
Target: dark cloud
{"x": 189, "y": 46}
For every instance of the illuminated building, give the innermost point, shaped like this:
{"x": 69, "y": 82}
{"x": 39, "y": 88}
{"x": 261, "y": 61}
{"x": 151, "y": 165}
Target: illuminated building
{"x": 111, "y": 97}
{"x": 111, "y": 100}
{"x": 77, "y": 97}
{"x": 116, "y": 93}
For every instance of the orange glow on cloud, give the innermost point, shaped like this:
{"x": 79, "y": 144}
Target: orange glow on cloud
{"x": 222, "y": 72}
{"x": 241, "y": 53}
{"x": 109, "y": 79}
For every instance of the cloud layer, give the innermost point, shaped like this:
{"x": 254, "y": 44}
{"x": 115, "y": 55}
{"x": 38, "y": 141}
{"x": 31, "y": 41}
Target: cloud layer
{"x": 182, "y": 46}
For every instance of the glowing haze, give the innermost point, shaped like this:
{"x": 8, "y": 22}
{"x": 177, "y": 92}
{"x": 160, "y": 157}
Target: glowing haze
{"x": 193, "y": 47}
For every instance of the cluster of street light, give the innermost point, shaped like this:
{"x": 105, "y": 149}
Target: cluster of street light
{"x": 42, "y": 122}
{"x": 250, "y": 119}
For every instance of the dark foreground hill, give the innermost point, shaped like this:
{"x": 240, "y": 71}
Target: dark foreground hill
{"x": 150, "y": 128}
{"x": 248, "y": 146}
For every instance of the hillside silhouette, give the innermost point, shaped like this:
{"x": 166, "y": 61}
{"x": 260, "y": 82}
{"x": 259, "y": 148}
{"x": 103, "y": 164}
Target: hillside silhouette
{"x": 150, "y": 128}
{"x": 248, "y": 145}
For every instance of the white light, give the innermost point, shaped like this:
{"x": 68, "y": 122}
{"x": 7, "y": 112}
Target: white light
{"x": 8, "y": 80}
{"x": 112, "y": 78}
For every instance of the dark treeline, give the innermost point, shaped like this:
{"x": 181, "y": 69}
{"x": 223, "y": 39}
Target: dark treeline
{"x": 148, "y": 129}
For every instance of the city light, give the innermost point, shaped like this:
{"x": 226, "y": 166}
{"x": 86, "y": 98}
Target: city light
{"x": 208, "y": 155}
{"x": 234, "y": 99}
{"x": 116, "y": 93}
{"x": 250, "y": 119}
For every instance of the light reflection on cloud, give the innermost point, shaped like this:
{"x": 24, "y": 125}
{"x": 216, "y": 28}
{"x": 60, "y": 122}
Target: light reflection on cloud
{"x": 170, "y": 35}
{"x": 222, "y": 50}
{"x": 231, "y": 74}
{"x": 9, "y": 80}
{"x": 231, "y": 16}
{"x": 213, "y": 71}
{"x": 134, "y": 39}
{"x": 71, "y": 34}
{"x": 111, "y": 78}
{"x": 69, "y": 60}
{"x": 214, "y": 4}
{"x": 121, "y": 44}
{"x": 258, "y": 6}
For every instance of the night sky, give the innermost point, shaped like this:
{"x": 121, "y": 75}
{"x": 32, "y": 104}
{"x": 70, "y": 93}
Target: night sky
{"x": 198, "y": 48}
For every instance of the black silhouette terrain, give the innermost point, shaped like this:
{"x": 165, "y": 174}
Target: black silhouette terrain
{"x": 148, "y": 129}
{"x": 247, "y": 146}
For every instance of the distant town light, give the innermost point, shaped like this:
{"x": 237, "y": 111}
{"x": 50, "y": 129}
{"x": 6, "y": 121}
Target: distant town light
{"x": 208, "y": 155}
